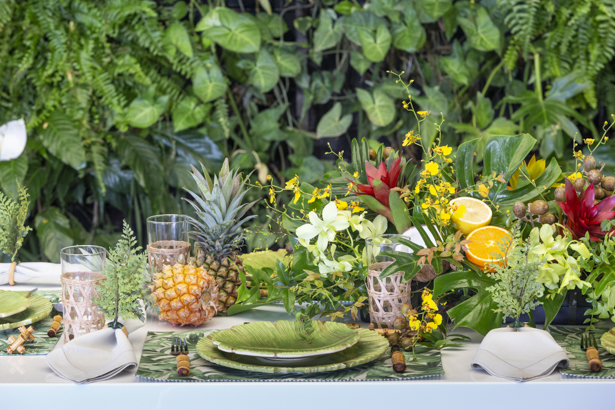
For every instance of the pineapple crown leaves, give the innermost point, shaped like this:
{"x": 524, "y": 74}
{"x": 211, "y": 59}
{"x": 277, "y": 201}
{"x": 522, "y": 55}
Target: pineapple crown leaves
{"x": 218, "y": 209}
{"x": 125, "y": 273}
{"x": 12, "y": 217}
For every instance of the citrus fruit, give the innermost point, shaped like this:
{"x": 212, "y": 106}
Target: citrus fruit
{"x": 486, "y": 245}
{"x": 477, "y": 214}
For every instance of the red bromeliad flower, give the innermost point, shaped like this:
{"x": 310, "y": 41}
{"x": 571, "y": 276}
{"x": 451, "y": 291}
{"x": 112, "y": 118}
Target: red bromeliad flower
{"x": 583, "y": 215}
{"x": 380, "y": 181}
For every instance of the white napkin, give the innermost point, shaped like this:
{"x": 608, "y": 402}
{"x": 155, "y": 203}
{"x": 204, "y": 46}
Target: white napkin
{"x": 521, "y": 355}
{"x": 30, "y": 270}
{"x": 95, "y": 356}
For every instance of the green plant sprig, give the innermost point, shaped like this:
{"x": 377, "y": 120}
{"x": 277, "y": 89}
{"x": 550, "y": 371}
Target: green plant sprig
{"x": 13, "y": 215}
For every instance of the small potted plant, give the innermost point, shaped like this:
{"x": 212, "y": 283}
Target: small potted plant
{"x": 123, "y": 290}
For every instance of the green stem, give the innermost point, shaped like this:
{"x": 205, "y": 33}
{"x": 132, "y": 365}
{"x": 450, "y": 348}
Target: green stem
{"x": 244, "y": 130}
{"x": 537, "y": 82}
{"x": 495, "y": 70}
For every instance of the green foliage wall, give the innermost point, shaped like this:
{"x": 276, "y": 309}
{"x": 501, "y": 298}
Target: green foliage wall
{"x": 121, "y": 97}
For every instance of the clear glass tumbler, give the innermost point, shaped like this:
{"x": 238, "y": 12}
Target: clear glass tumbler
{"x": 167, "y": 240}
{"x": 82, "y": 268}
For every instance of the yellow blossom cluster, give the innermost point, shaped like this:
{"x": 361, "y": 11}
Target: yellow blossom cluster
{"x": 318, "y": 194}
{"x": 411, "y": 139}
{"x": 430, "y": 310}
{"x": 294, "y": 185}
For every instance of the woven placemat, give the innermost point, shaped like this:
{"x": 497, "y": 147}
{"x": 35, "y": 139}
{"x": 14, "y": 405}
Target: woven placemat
{"x": 42, "y": 344}
{"x": 569, "y": 337}
{"x": 158, "y": 365}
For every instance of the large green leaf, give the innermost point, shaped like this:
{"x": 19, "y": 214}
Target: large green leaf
{"x": 502, "y": 196}
{"x": 177, "y": 35}
{"x": 482, "y": 34}
{"x": 464, "y": 164}
{"x": 455, "y": 66}
{"x": 332, "y": 124}
{"x": 376, "y": 47}
{"x": 12, "y": 173}
{"x": 144, "y": 161}
{"x": 483, "y": 111}
{"x": 359, "y": 62}
{"x": 265, "y": 74}
{"x": 288, "y": 63}
{"x": 380, "y": 108}
{"x": 230, "y": 30}
{"x": 399, "y": 210}
{"x": 189, "y": 113}
{"x": 209, "y": 83}
{"x": 503, "y": 156}
{"x": 552, "y": 305}
{"x": 409, "y": 37}
{"x": 326, "y": 35}
{"x": 143, "y": 112}
{"x": 53, "y": 231}
{"x": 477, "y": 312}
{"x": 61, "y": 137}
{"x": 360, "y": 21}
{"x": 436, "y": 8}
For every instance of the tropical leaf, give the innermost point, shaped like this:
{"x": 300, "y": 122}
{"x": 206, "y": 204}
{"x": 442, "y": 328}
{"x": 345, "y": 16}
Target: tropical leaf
{"x": 332, "y": 124}
{"x": 265, "y": 74}
{"x": 53, "y": 231}
{"x": 143, "y": 112}
{"x": 177, "y": 35}
{"x": 208, "y": 83}
{"x": 12, "y": 174}
{"x": 231, "y": 30}
{"x": 288, "y": 63}
{"x": 189, "y": 113}
{"x": 376, "y": 47}
{"x": 482, "y": 34}
{"x": 380, "y": 108}
{"x": 326, "y": 35}
{"x": 359, "y": 62}
{"x": 61, "y": 137}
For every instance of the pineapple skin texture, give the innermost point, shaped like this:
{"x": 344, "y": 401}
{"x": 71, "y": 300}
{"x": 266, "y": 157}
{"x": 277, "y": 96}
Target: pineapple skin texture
{"x": 226, "y": 276}
{"x": 185, "y": 294}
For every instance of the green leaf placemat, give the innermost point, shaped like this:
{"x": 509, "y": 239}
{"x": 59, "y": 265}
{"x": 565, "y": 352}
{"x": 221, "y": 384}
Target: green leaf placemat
{"x": 42, "y": 344}
{"x": 158, "y": 365}
{"x": 569, "y": 337}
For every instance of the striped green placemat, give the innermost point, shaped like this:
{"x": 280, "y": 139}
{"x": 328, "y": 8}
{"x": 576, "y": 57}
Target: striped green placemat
{"x": 158, "y": 365}
{"x": 42, "y": 344}
{"x": 569, "y": 337}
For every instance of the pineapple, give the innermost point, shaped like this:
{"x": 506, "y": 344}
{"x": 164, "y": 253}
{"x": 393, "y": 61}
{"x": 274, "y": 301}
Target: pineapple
{"x": 217, "y": 229}
{"x": 185, "y": 294}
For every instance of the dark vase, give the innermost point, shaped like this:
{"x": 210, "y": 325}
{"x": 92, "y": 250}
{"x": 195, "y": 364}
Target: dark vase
{"x": 571, "y": 312}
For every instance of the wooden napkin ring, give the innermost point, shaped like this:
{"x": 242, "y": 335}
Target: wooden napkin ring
{"x": 593, "y": 357}
{"x": 399, "y": 361}
{"x": 183, "y": 365}
{"x": 55, "y": 325}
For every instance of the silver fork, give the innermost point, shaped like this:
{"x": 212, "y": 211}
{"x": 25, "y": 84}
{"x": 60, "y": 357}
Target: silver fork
{"x": 179, "y": 346}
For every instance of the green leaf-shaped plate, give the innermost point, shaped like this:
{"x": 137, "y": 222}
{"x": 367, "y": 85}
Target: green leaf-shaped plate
{"x": 608, "y": 341}
{"x": 39, "y": 309}
{"x": 369, "y": 347}
{"x": 286, "y": 339}
{"x": 12, "y": 302}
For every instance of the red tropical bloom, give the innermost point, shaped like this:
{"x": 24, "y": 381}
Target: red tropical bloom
{"x": 380, "y": 181}
{"x": 583, "y": 215}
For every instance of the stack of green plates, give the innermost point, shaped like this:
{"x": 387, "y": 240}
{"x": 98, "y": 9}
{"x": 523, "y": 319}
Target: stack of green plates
{"x": 289, "y": 347}
{"x": 17, "y": 310}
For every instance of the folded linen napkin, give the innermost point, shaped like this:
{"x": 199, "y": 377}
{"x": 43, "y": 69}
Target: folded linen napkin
{"x": 30, "y": 270}
{"x": 95, "y": 356}
{"x": 521, "y": 355}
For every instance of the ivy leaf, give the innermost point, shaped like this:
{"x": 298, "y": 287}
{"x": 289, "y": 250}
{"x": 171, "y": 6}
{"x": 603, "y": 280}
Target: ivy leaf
{"x": 483, "y": 111}
{"x": 53, "y": 231}
{"x": 209, "y": 83}
{"x": 455, "y": 66}
{"x": 436, "y": 8}
{"x": 265, "y": 74}
{"x": 61, "y": 137}
{"x": 189, "y": 113}
{"x": 345, "y": 7}
{"x": 288, "y": 63}
{"x": 231, "y": 30}
{"x": 143, "y": 112}
{"x": 177, "y": 35}
{"x": 359, "y": 62}
{"x": 376, "y": 48}
{"x": 332, "y": 124}
{"x": 482, "y": 34}
{"x": 360, "y": 21}
{"x": 12, "y": 173}
{"x": 326, "y": 36}
{"x": 380, "y": 108}
{"x": 411, "y": 36}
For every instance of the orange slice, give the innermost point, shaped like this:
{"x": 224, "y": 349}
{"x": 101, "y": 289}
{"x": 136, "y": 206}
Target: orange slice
{"x": 486, "y": 245}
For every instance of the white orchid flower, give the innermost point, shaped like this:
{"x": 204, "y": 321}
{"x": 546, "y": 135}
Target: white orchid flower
{"x": 12, "y": 139}
{"x": 376, "y": 228}
{"x": 312, "y": 249}
{"x": 330, "y": 266}
{"x": 324, "y": 228}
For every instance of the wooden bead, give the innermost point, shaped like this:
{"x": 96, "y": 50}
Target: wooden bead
{"x": 593, "y": 357}
{"x": 57, "y": 318}
{"x": 399, "y": 361}
{"x": 183, "y": 372}
{"x": 181, "y": 358}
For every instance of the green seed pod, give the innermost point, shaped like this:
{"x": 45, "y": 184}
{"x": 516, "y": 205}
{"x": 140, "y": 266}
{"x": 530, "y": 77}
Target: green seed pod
{"x": 400, "y": 323}
{"x": 406, "y": 343}
{"x": 394, "y": 339}
{"x": 539, "y": 207}
{"x": 600, "y": 193}
{"x": 387, "y": 152}
{"x": 372, "y": 154}
{"x": 405, "y": 308}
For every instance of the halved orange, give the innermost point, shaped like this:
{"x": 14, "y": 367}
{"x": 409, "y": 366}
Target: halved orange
{"x": 488, "y": 245}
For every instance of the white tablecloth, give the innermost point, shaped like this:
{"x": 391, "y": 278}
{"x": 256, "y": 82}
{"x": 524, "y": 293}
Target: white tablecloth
{"x": 26, "y": 380}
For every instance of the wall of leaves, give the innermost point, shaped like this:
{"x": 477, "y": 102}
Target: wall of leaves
{"x": 121, "y": 97}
